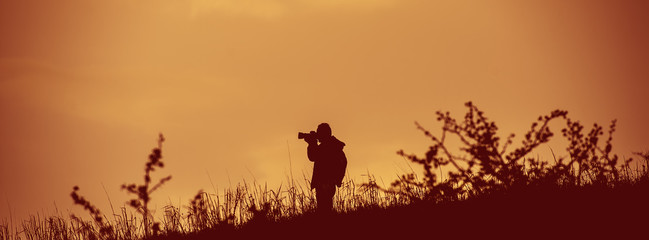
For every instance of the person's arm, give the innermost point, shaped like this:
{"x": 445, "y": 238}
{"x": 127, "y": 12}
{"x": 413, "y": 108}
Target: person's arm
{"x": 313, "y": 151}
{"x": 341, "y": 169}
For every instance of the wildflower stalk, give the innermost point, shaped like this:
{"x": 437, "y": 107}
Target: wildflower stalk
{"x": 145, "y": 190}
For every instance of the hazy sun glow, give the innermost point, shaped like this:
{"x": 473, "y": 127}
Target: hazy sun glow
{"x": 86, "y": 86}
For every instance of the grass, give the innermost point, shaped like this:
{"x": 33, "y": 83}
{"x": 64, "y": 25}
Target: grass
{"x": 490, "y": 192}
{"x": 231, "y": 209}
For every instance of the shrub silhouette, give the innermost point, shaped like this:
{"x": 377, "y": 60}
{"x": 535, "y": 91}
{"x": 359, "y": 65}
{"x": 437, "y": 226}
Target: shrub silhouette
{"x": 486, "y": 167}
{"x": 145, "y": 190}
{"x": 105, "y": 229}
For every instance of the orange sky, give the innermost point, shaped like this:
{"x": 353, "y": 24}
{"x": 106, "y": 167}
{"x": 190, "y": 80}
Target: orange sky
{"x": 85, "y": 86}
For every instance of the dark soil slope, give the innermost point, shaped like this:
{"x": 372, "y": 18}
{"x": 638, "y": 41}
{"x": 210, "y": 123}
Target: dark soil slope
{"x": 580, "y": 213}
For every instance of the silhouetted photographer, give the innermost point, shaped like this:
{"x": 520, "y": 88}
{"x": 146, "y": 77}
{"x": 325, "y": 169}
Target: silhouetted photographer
{"x": 329, "y": 164}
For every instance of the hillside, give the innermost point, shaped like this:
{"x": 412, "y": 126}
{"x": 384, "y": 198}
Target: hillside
{"x": 584, "y": 212}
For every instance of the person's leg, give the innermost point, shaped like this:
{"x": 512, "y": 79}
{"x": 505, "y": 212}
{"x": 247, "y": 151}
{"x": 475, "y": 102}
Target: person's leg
{"x": 324, "y": 197}
{"x": 320, "y": 198}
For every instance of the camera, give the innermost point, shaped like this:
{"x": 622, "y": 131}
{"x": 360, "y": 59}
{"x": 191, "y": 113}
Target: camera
{"x": 301, "y": 135}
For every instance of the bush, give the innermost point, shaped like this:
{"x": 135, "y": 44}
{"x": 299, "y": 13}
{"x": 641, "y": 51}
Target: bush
{"x": 484, "y": 166}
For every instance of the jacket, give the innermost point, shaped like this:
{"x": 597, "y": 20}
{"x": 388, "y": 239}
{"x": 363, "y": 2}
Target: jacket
{"x": 329, "y": 162}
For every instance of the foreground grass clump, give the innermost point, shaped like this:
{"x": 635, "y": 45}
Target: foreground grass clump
{"x": 243, "y": 205}
{"x": 490, "y": 191}
{"x": 231, "y": 209}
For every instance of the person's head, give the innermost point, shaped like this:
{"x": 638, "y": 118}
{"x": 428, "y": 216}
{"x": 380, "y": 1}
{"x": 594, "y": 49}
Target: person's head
{"x": 323, "y": 131}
